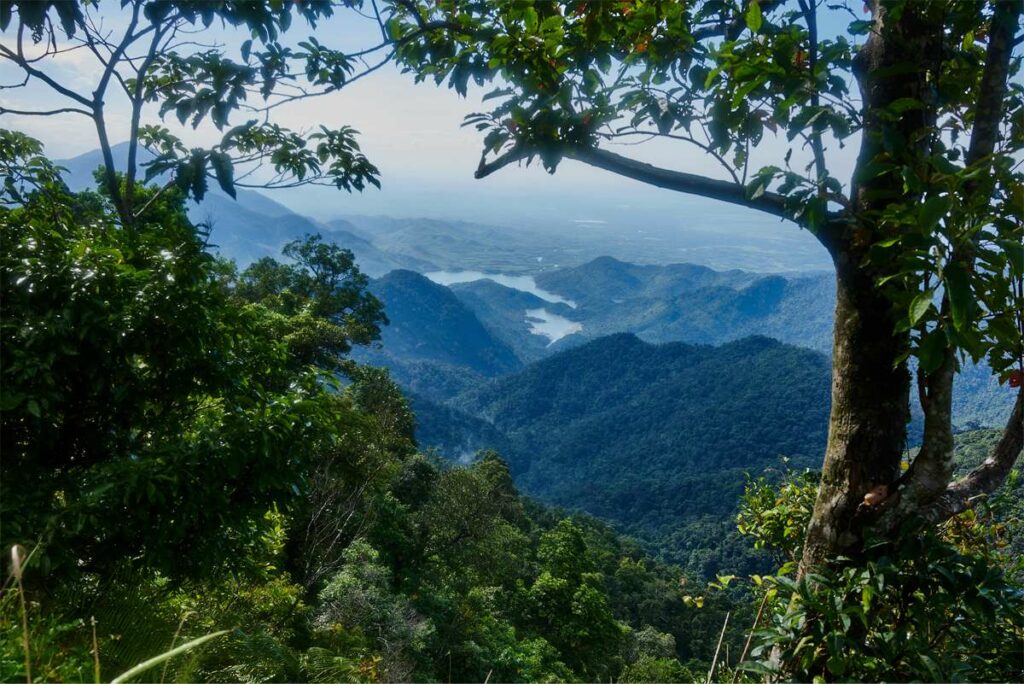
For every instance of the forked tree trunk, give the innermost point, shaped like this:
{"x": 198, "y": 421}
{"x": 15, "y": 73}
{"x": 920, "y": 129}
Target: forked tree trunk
{"x": 870, "y": 389}
{"x": 870, "y": 410}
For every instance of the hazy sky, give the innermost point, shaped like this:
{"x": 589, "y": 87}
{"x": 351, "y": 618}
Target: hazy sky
{"x": 413, "y": 133}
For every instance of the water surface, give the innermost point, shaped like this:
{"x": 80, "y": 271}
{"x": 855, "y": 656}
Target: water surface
{"x": 524, "y": 283}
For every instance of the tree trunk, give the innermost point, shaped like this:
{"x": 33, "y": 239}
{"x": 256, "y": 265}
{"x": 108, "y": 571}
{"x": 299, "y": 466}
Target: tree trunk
{"x": 870, "y": 390}
{"x": 870, "y": 410}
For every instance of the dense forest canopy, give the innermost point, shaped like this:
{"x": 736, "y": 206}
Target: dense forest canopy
{"x": 198, "y": 476}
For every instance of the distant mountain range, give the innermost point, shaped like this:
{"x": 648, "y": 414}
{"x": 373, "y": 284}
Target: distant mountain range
{"x": 597, "y": 384}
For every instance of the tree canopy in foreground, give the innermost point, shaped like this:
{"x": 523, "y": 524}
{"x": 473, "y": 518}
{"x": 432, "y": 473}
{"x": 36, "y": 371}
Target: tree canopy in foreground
{"x": 927, "y": 237}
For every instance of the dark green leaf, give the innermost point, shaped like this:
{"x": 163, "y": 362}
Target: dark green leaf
{"x": 753, "y": 16}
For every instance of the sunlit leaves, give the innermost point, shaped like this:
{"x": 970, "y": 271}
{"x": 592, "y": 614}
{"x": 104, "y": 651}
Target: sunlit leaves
{"x": 753, "y": 16}
{"x": 914, "y": 609}
{"x": 196, "y": 83}
{"x": 24, "y": 168}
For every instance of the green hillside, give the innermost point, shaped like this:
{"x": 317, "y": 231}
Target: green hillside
{"x": 654, "y": 437}
{"x": 429, "y": 323}
{"x": 503, "y": 310}
{"x": 691, "y": 303}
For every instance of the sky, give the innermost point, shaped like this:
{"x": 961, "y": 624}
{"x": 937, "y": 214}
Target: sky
{"x": 413, "y": 133}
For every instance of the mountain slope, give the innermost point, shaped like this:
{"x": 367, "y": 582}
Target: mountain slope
{"x": 455, "y": 435}
{"x": 691, "y": 303}
{"x": 429, "y": 323}
{"x": 504, "y": 311}
{"x": 695, "y": 304}
{"x": 653, "y": 437}
{"x": 248, "y": 227}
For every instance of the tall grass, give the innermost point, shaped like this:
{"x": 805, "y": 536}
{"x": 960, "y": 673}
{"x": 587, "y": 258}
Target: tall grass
{"x": 17, "y": 551}
{"x": 19, "y": 563}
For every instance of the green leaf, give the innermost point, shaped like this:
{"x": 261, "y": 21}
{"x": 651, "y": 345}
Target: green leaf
{"x": 6, "y": 12}
{"x": 530, "y": 19}
{"x": 754, "y": 16}
{"x": 920, "y": 306}
{"x": 931, "y": 351}
{"x": 931, "y": 211}
{"x": 961, "y": 298}
{"x": 904, "y": 104}
{"x": 1015, "y": 255}
{"x": 153, "y": 662}
{"x": 224, "y": 170}
{"x": 551, "y": 23}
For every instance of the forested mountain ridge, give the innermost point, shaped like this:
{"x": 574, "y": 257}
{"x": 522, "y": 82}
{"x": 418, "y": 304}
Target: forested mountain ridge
{"x": 655, "y": 437}
{"x": 428, "y": 323}
{"x": 691, "y": 303}
{"x": 504, "y": 311}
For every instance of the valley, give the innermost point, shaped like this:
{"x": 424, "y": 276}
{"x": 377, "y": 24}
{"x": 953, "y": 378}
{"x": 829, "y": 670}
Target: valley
{"x": 600, "y": 377}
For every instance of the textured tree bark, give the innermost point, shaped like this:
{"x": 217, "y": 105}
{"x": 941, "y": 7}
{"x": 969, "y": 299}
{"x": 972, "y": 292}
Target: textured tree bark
{"x": 932, "y": 469}
{"x": 870, "y": 394}
{"x": 870, "y": 410}
{"x": 870, "y": 391}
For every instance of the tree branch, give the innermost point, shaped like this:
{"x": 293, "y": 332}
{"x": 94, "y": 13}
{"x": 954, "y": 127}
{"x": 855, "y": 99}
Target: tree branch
{"x": 48, "y": 112}
{"x": 810, "y": 12}
{"x": 992, "y": 92}
{"x": 32, "y": 71}
{"x": 988, "y": 476}
{"x": 137, "y": 102}
{"x": 733, "y": 29}
{"x": 689, "y": 183}
{"x": 927, "y": 482}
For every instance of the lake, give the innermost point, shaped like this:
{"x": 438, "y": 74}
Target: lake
{"x": 524, "y": 283}
{"x": 550, "y": 325}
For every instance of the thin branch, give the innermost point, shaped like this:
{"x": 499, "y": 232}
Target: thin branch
{"x": 307, "y": 95}
{"x": 36, "y": 73}
{"x": 810, "y": 12}
{"x": 733, "y": 29}
{"x": 137, "y": 102}
{"x": 48, "y": 112}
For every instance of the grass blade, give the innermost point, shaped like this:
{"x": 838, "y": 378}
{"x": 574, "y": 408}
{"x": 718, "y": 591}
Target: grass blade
{"x": 156, "y": 660}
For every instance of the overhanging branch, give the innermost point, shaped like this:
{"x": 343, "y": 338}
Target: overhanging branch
{"x": 689, "y": 183}
{"x": 770, "y": 203}
{"x": 988, "y": 476}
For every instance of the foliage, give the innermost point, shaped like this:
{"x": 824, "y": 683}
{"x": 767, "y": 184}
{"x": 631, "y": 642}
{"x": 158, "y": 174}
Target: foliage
{"x": 433, "y": 325}
{"x": 216, "y": 481}
{"x": 587, "y": 427}
{"x": 915, "y": 608}
{"x": 148, "y": 62}
{"x": 776, "y": 515}
{"x": 360, "y": 599}
{"x": 134, "y": 382}
{"x": 942, "y": 605}
{"x": 323, "y": 294}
